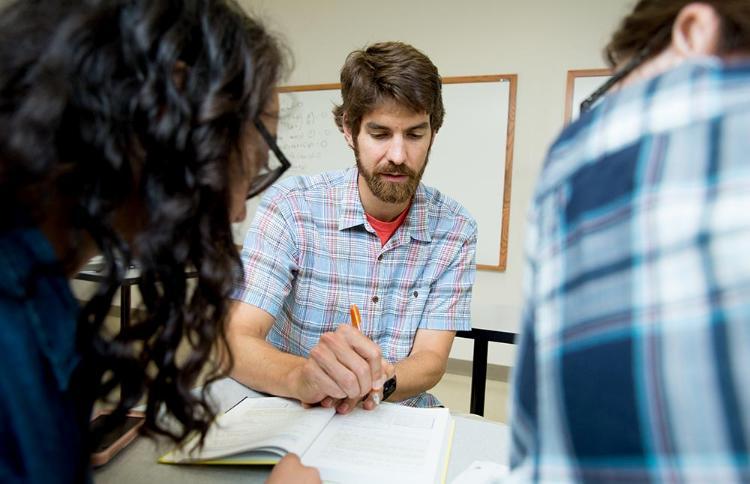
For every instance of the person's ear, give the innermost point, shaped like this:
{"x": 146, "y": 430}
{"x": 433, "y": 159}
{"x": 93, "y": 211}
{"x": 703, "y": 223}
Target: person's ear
{"x": 696, "y": 31}
{"x": 347, "y": 132}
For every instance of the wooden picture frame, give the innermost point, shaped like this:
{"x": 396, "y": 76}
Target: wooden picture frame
{"x": 579, "y": 85}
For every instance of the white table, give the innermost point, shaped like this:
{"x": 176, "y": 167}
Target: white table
{"x": 475, "y": 438}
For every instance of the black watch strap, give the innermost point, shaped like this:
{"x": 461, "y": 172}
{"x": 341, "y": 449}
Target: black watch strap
{"x": 389, "y": 387}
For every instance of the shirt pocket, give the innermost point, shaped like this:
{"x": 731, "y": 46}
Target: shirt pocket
{"x": 405, "y": 315}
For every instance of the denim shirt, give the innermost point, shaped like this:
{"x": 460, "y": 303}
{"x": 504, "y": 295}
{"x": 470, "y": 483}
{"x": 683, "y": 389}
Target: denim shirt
{"x": 42, "y": 417}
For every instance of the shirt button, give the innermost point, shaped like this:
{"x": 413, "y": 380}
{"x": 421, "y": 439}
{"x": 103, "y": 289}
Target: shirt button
{"x": 416, "y": 294}
{"x": 375, "y": 299}
{"x": 380, "y": 257}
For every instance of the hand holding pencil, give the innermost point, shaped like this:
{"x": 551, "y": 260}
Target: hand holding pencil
{"x": 344, "y": 367}
{"x": 377, "y": 386}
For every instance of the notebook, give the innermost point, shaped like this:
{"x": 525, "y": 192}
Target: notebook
{"x": 392, "y": 443}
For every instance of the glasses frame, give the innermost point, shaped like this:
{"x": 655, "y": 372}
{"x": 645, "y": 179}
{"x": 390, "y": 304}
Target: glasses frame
{"x": 639, "y": 58}
{"x": 261, "y": 182}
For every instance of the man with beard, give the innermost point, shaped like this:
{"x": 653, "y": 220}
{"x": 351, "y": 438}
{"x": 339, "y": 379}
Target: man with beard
{"x": 373, "y": 236}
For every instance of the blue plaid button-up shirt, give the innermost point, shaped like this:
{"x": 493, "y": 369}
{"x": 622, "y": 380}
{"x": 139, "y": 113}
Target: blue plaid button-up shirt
{"x": 634, "y": 359}
{"x": 310, "y": 253}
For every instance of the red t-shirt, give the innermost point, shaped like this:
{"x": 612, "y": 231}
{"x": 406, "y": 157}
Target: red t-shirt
{"x": 386, "y": 229}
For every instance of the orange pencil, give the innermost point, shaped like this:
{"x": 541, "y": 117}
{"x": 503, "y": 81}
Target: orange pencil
{"x": 356, "y": 321}
{"x": 356, "y": 317}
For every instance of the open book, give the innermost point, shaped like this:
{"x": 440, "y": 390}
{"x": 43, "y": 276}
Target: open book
{"x": 392, "y": 443}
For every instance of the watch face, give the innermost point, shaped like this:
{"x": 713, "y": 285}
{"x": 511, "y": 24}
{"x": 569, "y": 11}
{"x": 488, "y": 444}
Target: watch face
{"x": 389, "y": 387}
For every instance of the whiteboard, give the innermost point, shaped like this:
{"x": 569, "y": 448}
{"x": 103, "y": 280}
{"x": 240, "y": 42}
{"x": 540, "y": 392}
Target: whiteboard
{"x": 470, "y": 161}
{"x": 580, "y": 85}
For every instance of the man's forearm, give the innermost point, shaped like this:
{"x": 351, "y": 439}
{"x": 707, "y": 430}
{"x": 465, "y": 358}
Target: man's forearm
{"x": 417, "y": 373}
{"x": 262, "y": 367}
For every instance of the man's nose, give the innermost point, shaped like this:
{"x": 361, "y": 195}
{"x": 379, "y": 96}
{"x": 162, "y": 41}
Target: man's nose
{"x": 397, "y": 151}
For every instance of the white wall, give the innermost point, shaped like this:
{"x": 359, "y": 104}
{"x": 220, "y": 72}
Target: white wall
{"x": 540, "y": 40}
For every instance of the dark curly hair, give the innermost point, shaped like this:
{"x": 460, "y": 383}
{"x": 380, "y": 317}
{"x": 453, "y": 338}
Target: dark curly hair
{"x": 106, "y": 104}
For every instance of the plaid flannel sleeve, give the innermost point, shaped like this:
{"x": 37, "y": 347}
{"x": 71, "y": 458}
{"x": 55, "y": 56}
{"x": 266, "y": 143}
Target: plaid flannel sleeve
{"x": 269, "y": 256}
{"x": 449, "y": 304}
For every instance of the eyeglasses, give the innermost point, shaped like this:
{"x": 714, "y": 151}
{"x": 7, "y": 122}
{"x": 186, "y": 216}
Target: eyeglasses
{"x": 639, "y": 58}
{"x": 268, "y": 177}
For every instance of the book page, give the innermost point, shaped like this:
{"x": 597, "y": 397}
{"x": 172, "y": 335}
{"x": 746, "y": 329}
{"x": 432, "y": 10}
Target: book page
{"x": 275, "y": 425}
{"x": 390, "y": 444}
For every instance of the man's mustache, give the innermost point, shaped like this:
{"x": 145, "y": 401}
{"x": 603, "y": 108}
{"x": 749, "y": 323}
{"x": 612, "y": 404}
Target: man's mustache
{"x": 398, "y": 170}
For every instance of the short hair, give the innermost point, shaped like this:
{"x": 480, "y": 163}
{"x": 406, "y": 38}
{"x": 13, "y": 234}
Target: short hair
{"x": 388, "y": 71}
{"x": 103, "y": 102}
{"x": 650, "y": 16}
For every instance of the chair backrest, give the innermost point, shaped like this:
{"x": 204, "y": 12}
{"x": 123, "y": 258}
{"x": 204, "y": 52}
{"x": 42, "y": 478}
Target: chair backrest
{"x": 481, "y": 338}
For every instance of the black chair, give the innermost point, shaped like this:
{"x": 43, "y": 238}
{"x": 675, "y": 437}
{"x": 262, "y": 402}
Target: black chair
{"x": 92, "y": 272}
{"x": 481, "y": 338}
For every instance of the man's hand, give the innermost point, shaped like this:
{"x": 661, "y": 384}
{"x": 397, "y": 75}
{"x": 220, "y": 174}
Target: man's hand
{"x": 290, "y": 469}
{"x": 417, "y": 373}
{"x": 345, "y": 364}
{"x": 346, "y": 405}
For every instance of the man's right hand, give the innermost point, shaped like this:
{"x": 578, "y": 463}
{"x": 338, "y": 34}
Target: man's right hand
{"x": 346, "y": 405}
{"x": 344, "y": 364}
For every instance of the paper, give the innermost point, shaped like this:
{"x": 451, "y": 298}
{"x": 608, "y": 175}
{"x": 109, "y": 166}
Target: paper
{"x": 391, "y": 443}
{"x": 274, "y": 425}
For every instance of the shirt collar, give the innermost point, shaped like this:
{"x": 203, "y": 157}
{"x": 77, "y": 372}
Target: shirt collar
{"x": 352, "y": 214}
{"x": 417, "y": 223}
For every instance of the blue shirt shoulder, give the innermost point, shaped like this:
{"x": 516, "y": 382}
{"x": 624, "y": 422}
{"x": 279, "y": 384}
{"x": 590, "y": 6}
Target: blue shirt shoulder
{"x": 41, "y": 439}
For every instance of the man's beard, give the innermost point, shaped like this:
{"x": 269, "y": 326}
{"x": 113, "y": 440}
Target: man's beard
{"x": 391, "y": 192}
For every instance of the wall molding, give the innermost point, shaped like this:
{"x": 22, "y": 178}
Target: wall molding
{"x": 495, "y": 372}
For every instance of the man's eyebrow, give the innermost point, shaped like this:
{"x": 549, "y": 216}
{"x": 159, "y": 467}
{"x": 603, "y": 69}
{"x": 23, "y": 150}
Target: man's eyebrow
{"x": 375, "y": 126}
{"x": 424, "y": 125}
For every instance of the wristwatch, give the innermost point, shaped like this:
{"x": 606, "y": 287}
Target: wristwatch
{"x": 389, "y": 387}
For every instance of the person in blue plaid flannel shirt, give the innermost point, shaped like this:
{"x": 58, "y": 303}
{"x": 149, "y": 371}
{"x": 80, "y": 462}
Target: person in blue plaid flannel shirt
{"x": 372, "y": 235}
{"x": 634, "y": 354}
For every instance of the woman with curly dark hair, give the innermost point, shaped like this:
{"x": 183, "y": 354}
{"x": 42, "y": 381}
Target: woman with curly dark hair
{"x": 135, "y": 129}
